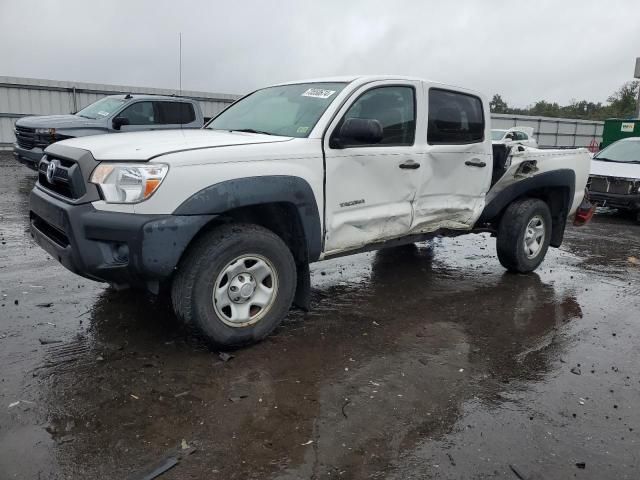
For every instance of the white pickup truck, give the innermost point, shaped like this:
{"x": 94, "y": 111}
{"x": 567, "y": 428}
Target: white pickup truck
{"x": 230, "y": 216}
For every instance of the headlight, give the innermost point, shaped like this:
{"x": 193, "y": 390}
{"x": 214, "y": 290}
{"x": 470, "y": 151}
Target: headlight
{"x": 46, "y": 131}
{"x": 128, "y": 183}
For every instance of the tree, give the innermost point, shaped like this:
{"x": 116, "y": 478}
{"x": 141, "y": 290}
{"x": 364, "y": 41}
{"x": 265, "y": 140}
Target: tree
{"x": 622, "y": 104}
{"x": 623, "y": 101}
{"x": 498, "y": 105}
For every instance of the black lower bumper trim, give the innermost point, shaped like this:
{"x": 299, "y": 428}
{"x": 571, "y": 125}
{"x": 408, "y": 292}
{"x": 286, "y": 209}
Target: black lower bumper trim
{"x": 30, "y": 158}
{"x": 627, "y": 202}
{"x": 123, "y": 249}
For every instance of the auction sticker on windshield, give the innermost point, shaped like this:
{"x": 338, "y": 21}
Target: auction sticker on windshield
{"x": 318, "y": 93}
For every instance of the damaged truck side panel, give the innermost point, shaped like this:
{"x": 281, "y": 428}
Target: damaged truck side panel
{"x": 230, "y": 216}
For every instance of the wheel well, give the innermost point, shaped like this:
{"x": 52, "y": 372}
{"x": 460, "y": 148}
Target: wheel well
{"x": 557, "y": 198}
{"x": 282, "y": 218}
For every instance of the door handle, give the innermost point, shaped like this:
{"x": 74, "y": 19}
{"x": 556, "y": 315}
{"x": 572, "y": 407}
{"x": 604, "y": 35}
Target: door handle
{"x": 409, "y": 165}
{"x": 478, "y": 163}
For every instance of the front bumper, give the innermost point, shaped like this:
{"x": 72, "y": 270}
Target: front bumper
{"x": 623, "y": 202}
{"x": 30, "y": 158}
{"x": 123, "y": 249}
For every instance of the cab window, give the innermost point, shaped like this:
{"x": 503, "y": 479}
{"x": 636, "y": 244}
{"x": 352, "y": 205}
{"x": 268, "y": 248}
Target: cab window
{"x": 393, "y": 107}
{"x": 140, "y": 113}
{"x": 454, "y": 118}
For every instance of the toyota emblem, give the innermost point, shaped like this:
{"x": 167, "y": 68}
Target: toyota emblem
{"x": 51, "y": 170}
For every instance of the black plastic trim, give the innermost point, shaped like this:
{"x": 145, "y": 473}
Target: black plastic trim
{"x": 557, "y": 178}
{"x": 244, "y": 192}
{"x": 124, "y": 249}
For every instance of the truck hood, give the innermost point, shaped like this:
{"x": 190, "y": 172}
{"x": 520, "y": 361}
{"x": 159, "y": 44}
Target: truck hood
{"x": 142, "y": 146}
{"x": 615, "y": 169}
{"x": 56, "y": 121}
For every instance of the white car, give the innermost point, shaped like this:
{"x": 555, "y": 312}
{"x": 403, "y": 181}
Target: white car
{"x": 615, "y": 176}
{"x": 515, "y": 135}
{"x": 230, "y": 216}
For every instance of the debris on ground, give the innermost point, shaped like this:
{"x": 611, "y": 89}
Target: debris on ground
{"x": 178, "y": 395}
{"x": 517, "y": 472}
{"x": 237, "y": 399}
{"x": 453, "y": 462}
{"x": 581, "y": 465}
{"x": 347, "y": 402}
{"x": 307, "y": 443}
{"x": 44, "y": 305}
{"x": 15, "y": 404}
{"x": 225, "y": 357}
{"x": 633, "y": 261}
{"x": 576, "y": 371}
{"x": 47, "y": 341}
{"x": 172, "y": 459}
{"x": 184, "y": 445}
{"x": 160, "y": 468}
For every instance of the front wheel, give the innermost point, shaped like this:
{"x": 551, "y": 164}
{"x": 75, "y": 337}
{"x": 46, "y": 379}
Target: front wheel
{"x": 235, "y": 284}
{"x": 524, "y": 235}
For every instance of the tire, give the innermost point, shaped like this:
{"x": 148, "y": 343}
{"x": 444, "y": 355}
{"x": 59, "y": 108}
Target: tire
{"x": 514, "y": 227}
{"x": 234, "y": 256}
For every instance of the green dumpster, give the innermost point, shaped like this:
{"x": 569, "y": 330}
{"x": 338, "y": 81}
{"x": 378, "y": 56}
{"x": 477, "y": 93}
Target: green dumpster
{"x": 617, "y": 128}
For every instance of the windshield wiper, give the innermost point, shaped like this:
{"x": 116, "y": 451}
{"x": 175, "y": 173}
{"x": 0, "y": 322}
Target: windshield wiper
{"x": 250, "y": 130}
{"x": 84, "y": 116}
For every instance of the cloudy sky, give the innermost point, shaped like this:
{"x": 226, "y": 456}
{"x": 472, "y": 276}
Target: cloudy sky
{"x": 526, "y": 50}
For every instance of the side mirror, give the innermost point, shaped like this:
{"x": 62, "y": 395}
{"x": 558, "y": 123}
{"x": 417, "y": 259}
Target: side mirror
{"x": 359, "y": 130}
{"x": 119, "y": 122}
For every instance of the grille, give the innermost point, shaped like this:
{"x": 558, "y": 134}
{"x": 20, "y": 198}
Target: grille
{"x": 599, "y": 184}
{"x": 618, "y": 186}
{"x": 67, "y": 179}
{"x": 621, "y": 187}
{"x": 26, "y": 137}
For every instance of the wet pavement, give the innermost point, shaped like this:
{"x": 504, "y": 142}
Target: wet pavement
{"x": 418, "y": 362}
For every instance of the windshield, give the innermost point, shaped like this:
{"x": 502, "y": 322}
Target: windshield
{"x": 102, "y": 108}
{"x": 622, "y": 151}
{"x": 287, "y": 110}
{"x": 497, "y": 134}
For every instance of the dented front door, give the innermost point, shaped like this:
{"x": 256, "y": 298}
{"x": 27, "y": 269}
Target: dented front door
{"x": 370, "y": 188}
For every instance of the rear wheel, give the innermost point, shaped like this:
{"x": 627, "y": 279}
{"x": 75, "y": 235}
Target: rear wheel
{"x": 523, "y": 235}
{"x": 235, "y": 284}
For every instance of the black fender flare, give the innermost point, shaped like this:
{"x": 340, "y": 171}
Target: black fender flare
{"x": 244, "y": 192}
{"x": 563, "y": 178}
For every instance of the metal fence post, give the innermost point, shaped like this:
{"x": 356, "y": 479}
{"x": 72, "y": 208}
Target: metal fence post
{"x": 75, "y": 101}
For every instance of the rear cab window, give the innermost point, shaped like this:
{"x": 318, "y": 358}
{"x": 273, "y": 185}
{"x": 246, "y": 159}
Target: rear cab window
{"x": 455, "y": 118}
{"x": 174, "y": 113}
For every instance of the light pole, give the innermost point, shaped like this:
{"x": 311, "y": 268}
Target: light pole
{"x": 637, "y": 75}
